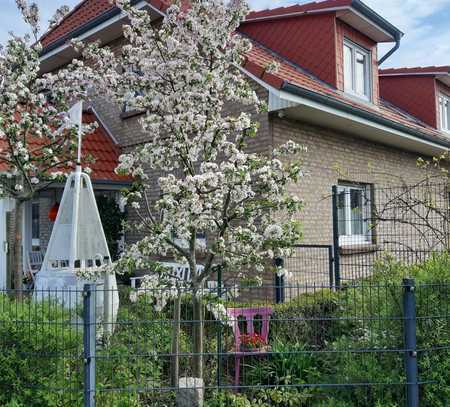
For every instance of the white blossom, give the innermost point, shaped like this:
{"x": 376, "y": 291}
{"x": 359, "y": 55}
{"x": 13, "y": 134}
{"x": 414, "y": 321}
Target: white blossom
{"x": 183, "y": 74}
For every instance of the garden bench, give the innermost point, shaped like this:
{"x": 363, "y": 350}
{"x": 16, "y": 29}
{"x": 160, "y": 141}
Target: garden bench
{"x": 248, "y": 315}
{"x": 182, "y": 272}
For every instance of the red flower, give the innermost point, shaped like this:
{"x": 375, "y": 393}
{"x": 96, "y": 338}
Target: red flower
{"x": 253, "y": 341}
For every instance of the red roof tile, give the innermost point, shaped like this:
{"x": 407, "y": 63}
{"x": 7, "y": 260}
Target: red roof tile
{"x": 99, "y": 146}
{"x": 423, "y": 70}
{"x": 84, "y": 12}
{"x": 104, "y": 151}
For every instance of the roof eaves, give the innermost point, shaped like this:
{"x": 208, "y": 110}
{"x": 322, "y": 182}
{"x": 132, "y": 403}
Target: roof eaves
{"x": 415, "y": 74}
{"x": 81, "y": 30}
{"x": 357, "y": 6}
{"x": 88, "y": 26}
{"x": 344, "y": 107}
{"x": 295, "y": 14}
{"x": 377, "y": 19}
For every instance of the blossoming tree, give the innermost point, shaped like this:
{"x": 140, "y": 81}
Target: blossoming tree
{"x": 184, "y": 74}
{"x": 34, "y": 151}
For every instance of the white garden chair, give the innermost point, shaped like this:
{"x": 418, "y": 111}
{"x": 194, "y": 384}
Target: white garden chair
{"x": 35, "y": 260}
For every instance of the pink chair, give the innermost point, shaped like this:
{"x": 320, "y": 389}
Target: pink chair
{"x": 249, "y": 314}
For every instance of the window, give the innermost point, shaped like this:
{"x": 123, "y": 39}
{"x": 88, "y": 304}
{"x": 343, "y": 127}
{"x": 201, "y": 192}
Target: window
{"x": 35, "y": 229}
{"x": 444, "y": 112}
{"x": 354, "y": 211}
{"x": 357, "y": 72}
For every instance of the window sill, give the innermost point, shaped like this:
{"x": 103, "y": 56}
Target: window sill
{"x": 131, "y": 113}
{"x": 368, "y": 101}
{"x": 358, "y": 248}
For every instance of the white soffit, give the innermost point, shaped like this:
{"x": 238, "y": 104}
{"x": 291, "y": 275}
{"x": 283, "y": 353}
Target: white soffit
{"x": 315, "y": 113}
{"x": 364, "y": 25}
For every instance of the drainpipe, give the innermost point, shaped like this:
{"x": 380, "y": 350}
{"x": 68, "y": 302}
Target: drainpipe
{"x": 398, "y": 38}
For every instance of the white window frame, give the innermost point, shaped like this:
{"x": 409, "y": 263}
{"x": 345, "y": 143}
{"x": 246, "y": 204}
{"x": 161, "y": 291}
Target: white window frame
{"x": 349, "y": 239}
{"x": 444, "y": 106}
{"x": 351, "y": 90}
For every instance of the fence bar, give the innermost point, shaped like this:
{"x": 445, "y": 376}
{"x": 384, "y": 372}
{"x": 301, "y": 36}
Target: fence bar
{"x": 89, "y": 337}
{"x": 219, "y": 331}
{"x": 279, "y": 282}
{"x": 410, "y": 328}
{"x": 331, "y": 266}
{"x": 337, "y": 262}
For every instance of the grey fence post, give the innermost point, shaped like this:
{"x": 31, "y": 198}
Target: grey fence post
{"x": 219, "y": 332}
{"x": 279, "y": 282}
{"x": 331, "y": 266}
{"x": 89, "y": 338}
{"x": 410, "y": 327}
{"x": 336, "y": 258}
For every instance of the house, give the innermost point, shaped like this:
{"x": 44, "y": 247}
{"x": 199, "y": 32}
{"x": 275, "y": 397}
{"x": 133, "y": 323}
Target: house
{"x": 360, "y": 126}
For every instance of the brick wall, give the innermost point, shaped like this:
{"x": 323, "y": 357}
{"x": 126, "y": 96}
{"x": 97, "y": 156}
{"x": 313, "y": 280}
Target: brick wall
{"x": 307, "y": 41}
{"x": 334, "y": 157}
{"x": 414, "y": 94}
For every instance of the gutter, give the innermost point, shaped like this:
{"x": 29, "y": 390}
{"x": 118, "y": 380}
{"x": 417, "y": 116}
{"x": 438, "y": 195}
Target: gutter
{"x": 344, "y": 107}
{"x": 389, "y": 53}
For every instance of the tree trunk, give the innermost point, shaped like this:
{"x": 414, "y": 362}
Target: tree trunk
{"x": 198, "y": 335}
{"x": 175, "y": 350}
{"x": 18, "y": 257}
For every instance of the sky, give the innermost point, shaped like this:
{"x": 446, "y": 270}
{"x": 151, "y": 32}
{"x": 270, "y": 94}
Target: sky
{"x": 425, "y": 24}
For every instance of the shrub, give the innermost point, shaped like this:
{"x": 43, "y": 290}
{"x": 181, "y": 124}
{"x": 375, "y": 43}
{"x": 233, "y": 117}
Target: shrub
{"x": 324, "y": 338}
{"x": 263, "y": 398}
{"x": 39, "y": 350}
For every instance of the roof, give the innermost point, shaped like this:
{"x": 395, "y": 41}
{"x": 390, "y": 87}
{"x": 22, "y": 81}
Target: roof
{"x": 353, "y": 12}
{"x": 422, "y": 70}
{"x": 105, "y": 152}
{"x": 97, "y": 145}
{"x": 298, "y": 8}
{"x": 441, "y": 73}
{"x": 89, "y": 12}
{"x": 93, "y": 12}
{"x": 84, "y": 12}
{"x": 292, "y": 78}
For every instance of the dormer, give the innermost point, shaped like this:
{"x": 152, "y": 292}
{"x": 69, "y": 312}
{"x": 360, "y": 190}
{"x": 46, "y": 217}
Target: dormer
{"x": 422, "y": 92}
{"x": 333, "y": 40}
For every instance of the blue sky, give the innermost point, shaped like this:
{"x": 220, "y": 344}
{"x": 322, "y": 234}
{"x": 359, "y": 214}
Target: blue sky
{"x": 425, "y": 24}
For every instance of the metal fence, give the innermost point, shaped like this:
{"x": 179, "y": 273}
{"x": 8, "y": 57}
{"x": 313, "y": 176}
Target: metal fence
{"x": 370, "y": 343}
{"x": 408, "y": 223}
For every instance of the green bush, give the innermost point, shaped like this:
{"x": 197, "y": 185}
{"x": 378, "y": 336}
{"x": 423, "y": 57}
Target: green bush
{"x": 323, "y": 338}
{"x": 263, "y": 398}
{"x": 39, "y": 350}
